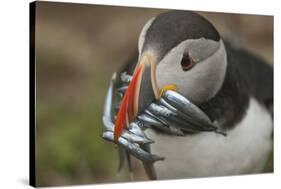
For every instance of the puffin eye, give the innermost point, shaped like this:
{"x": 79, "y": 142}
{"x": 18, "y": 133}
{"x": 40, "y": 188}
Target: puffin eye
{"x": 187, "y": 62}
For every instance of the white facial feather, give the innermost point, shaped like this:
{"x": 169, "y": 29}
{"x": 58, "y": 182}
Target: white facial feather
{"x": 204, "y": 80}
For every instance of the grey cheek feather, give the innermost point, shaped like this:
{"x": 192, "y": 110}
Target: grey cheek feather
{"x": 204, "y": 80}
{"x": 202, "y": 48}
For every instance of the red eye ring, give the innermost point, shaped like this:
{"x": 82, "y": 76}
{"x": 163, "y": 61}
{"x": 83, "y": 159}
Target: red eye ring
{"x": 187, "y": 62}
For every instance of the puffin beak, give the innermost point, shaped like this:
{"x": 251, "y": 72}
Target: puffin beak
{"x": 141, "y": 91}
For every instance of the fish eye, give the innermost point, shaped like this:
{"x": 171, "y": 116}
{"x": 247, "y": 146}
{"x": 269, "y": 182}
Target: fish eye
{"x": 187, "y": 62}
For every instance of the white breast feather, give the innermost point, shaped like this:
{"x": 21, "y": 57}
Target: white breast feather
{"x": 243, "y": 151}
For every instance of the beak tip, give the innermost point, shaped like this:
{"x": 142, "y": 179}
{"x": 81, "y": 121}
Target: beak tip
{"x": 126, "y": 112}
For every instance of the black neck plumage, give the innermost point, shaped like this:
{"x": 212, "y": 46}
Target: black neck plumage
{"x": 246, "y": 76}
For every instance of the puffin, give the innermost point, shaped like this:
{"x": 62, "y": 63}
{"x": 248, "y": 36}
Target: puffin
{"x": 183, "y": 52}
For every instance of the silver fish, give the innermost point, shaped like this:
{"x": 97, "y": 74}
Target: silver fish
{"x": 133, "y": 148}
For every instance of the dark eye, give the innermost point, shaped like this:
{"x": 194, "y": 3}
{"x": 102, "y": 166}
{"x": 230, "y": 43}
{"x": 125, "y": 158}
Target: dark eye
{"x": 187, "y": 62}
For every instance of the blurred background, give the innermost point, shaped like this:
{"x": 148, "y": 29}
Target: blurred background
{"x": 78, "y": 47}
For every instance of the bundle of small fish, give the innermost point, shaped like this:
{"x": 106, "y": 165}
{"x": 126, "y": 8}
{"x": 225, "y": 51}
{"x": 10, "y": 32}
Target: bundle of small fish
{"x": 172, "y": 113}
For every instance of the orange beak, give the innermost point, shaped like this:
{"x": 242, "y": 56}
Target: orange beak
{"x": 130, "y": 103}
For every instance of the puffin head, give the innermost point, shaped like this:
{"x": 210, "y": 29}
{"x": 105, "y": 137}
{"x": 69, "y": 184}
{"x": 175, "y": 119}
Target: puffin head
{"x": 178, "y": 50}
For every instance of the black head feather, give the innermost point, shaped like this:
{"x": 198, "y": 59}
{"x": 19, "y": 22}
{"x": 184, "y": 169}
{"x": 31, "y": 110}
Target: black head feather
{"x": 171, "y": 28}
